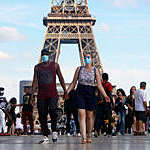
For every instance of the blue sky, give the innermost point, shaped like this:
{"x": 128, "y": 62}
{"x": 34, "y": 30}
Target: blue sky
{"x": 122, "y": 34}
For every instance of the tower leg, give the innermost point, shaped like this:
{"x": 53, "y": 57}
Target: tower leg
{"x": 57, "y": 51}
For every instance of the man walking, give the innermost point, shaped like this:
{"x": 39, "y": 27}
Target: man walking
{"x": 140, "y": 107}
{"x": 107, "y": 105}
{"x": 45, "y": 81}
{"x": 27, "y": 111}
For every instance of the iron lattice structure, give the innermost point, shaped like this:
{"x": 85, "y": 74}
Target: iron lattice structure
{"x": 69, "y": 21}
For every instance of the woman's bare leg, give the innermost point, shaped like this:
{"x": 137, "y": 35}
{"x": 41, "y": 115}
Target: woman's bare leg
{"x": 90, "y": 122}
{"x": 134, "y": 124}
{"x": 82, "y": 121}
{"x": 13, "y": 128}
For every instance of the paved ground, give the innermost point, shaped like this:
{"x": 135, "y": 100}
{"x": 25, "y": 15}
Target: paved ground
{"x": 73, "y": 143}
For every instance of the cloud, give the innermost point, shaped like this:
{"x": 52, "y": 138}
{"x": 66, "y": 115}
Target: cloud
{"x": 125, "y": 78}
{"x": 123, "y": 3}
{"x": 147, "y": 1}
{"x": 10, "y": 34}
{"x": 4, "y": 56}
{"x": 9, "y": 14}
{"x": 102, "y": 27}
{"x": 17, "y": 15}
{"x": 105, "y": 27}
{"x": 11, "y": 86}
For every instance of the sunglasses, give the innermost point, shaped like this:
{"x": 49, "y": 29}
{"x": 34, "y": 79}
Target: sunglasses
{"x": 87, "y": 57}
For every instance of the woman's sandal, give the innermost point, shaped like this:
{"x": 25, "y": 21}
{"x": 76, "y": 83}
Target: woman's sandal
{"x": 89, "y": 140}
{"x": 83, "y": 141}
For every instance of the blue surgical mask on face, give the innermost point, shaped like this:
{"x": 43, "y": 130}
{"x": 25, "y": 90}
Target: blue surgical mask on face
{"x": 45, "y": 58}
{"x": 87, "y": 60}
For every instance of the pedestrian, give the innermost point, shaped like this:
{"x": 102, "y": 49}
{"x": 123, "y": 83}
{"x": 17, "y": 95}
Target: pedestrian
{"x": 140, "y": 107}
{"x": 121, "y": 108}
{"x": 71, "y": 110}
{"x": 131, "y": 122}
{"x": 107, "y": 105}
{"x": 19, "y": 125}
{"x": 3, "y": 114}
{"x": 37, "y": 130}
{"x": 85, "y": 95}
{"x": 44, "y": 81}
{"x": 99, "y": 117}
{"x": 27, "y": 111}
{"x": 12, "y": 115}
{"x": 148, "y": 119}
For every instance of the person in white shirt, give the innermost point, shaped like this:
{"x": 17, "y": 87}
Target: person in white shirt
{"x": 140, "y": 107}
{"x": 19, "y": 125}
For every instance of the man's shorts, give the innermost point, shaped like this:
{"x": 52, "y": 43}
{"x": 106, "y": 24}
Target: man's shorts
{"x": 139, "y": 115}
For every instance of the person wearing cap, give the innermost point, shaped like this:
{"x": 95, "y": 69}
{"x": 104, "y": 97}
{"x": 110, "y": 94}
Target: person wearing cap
{"x": 140, "y": 107}
{"x": 44, "y": 81}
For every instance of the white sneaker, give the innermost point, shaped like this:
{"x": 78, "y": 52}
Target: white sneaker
{"x": 68, "y": 134}
{"x": 45, "y": 140}
{"x": 96, "y": 134}
{"x": 105, "y": 134}
{"x": 54, "y": 137}
{"x": 119, "y": 133}
{"x": 78, "y": 134}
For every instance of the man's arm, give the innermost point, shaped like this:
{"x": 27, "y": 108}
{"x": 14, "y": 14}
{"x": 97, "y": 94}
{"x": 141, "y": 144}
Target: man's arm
{"x": 145, "y": 101}
{"x": 145, "y": 106}
{"x": 100, "y": 87}
{"x": 61, "y": 79}
{"x": 34, "y": 83}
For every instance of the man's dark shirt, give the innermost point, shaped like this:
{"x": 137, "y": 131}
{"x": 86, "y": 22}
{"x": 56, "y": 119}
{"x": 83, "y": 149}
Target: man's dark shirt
{"x": 46, "y": 76}
{"x": 27, "y": 107}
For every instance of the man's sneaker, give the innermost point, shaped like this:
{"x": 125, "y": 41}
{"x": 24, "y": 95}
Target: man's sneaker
{"x": 78, "y": 134}
{"x": 54, "y": 137}
{"x": 114, "y": 134}
{"x": 96, "y": 134}
{"x": 105, "y": 134}
{"x": 6, "y": 134}
{"x": 68, "y": 134}
{"x": 45, "y": 140}
{"x": 1, "y": 134}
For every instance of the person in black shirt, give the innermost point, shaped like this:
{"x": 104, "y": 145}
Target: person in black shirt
{"x": 27, "y": 111}
{"x": 107, "y": 111}
{"x": 131, "y": 110}
{"x": 99, "y": 116}
{"x": 70, "y": 109}
{"x": 121, "y": 109}
{"x": 10, "y": 110}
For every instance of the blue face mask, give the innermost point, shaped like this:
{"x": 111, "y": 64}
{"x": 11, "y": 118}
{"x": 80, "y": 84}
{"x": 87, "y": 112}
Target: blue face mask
{"x": 87, "y": 60}
{"x": 45, "y": 58}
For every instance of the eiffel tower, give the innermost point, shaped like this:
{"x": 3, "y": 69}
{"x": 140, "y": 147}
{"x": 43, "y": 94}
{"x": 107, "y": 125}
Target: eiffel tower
{"x": 69, "y": 21}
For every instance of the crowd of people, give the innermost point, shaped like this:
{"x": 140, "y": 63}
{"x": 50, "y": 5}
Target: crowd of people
{"x": 90, "y": 105}
{"x": 12, "y": 123}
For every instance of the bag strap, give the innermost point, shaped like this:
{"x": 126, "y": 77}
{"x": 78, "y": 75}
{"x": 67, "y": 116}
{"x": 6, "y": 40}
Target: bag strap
{"x": 94, "y": 75}
{"x": 79, "y": 71}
